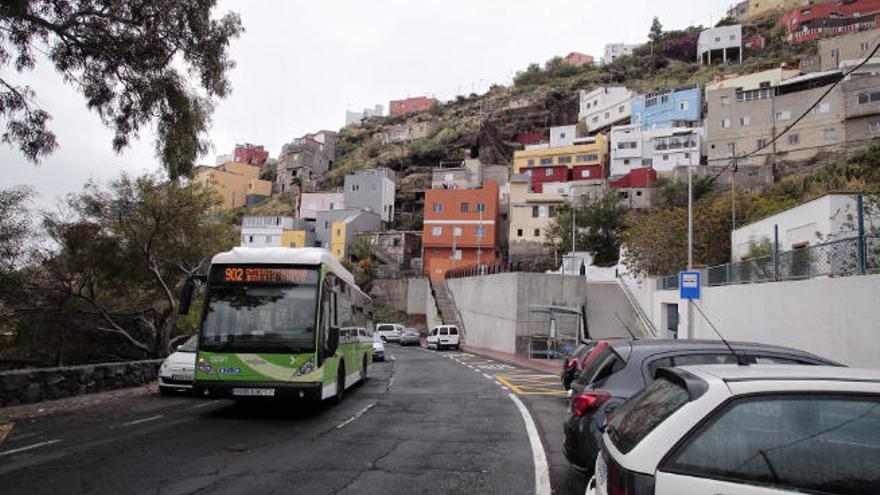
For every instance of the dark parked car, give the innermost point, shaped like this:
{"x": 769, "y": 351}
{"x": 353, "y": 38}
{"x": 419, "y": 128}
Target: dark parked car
{"x": 619, "y": 369}
{"x": 573, "y": 363}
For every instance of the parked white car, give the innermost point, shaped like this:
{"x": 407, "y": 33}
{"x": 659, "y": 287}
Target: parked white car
{"x": 389, "y": 332}
{"x": 746, "y": 430}
{"x": 444, "y": 336}
{"x": 178, "y": 370}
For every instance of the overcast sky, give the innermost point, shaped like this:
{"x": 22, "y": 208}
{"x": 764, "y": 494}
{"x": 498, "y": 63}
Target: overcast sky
{"x": 300, "y": 65}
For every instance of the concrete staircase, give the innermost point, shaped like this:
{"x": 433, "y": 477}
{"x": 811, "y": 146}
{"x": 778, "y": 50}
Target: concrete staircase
{"x": 448, "y": 313}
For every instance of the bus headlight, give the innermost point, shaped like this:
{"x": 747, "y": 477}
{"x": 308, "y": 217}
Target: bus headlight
{"x": 306, "y": 368}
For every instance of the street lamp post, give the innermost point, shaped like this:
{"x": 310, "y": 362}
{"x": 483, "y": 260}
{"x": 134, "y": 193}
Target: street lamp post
{"x": 690, "y": 265}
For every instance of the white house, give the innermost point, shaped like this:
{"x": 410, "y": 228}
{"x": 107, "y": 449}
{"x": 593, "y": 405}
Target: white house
{"x": 276, "y": 231}
{"x": 614, "y": 50}
{"x": 661, "y": 149}
{"x": 832, "y": 216}
{"x": 723, "y": 43}
{"x": 604, "y": 107}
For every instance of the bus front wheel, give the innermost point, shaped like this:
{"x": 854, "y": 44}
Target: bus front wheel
{"x": 340, "y": 383}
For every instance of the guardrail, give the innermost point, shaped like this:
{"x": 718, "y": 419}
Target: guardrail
{"x": 518, "y": 264}
{"x": 839, "y": 258}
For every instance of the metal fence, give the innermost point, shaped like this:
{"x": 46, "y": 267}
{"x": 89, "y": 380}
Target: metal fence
{"x": 529, "y": 264}
{"x": 839, "y": 258}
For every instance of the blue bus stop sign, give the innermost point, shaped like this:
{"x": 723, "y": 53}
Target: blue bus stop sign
{"x": 689, "y": 285}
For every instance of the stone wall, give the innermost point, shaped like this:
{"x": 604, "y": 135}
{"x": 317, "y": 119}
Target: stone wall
{"x": 36, "y": 385}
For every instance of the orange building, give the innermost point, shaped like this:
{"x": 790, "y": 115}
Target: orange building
{"x": 460, "y": 228}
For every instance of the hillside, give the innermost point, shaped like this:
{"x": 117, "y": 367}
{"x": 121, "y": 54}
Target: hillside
{"x": 486, "y": 125}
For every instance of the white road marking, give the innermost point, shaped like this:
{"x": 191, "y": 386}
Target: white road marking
{"x": 29, "y": 447}
{"x": 143, "y": 420}
{"x": 497, "y": 382}
{"x": 542, "y": 470}
{"x": 355, "y": 416}
{"x": 488, "y": 376}
{"x": 206, "y": 404}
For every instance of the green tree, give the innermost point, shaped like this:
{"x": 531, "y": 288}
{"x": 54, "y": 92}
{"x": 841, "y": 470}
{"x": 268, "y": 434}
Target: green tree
{"x": 15, "y": 225}
{"x": 600, "y": 225}
{"x": 124, "y": 252}
{"x": 133, "y": 62}
{"x": 656, "y": 32}
{"x": 673, "y": 193}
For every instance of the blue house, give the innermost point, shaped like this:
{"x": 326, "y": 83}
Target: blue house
{"x": 680, "y": 107}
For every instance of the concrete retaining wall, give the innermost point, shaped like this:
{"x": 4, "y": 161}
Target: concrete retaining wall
{"x": 36, "y": 385}
{"x": 416, "y": 292}
{"x": 832, "y": 317}
{"x": 403, "y": 294}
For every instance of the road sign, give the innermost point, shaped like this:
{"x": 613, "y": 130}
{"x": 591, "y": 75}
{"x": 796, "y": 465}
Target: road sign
{"x": 689, "y": 285}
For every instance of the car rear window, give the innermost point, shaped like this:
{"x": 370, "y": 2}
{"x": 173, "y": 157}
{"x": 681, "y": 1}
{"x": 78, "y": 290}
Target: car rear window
{"x": 596, "y": 362}
{"x": 638, "y": 417}
{"x": 453, "y": 331}
{"x": 812, "y": 443}
{"x": 385, "y": 328}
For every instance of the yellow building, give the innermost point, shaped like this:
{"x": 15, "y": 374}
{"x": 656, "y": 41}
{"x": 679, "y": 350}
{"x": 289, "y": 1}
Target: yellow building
{"x": 589, "y": 151}
{"x": 293, "y": 238}
{"x": 237, "y": 183}
{"x": 338, "y": 238}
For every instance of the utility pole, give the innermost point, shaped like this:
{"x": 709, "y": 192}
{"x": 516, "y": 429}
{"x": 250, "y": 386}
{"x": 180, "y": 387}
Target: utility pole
{"x": 733, "y": 192}
{"x": 690, "y": 266}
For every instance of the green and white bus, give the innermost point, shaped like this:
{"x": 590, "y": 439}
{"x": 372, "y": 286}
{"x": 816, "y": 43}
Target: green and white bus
{"x": 281, "y": 323}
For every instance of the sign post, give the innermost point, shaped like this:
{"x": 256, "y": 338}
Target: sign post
{"x": 689, "y": 290}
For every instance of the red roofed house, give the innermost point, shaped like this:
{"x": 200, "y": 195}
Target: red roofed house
{"x": 578, "y": 59}
{"x": 417, "y": 104}
{"x": 635, "y": 187}
{"x": 825, "y": 20}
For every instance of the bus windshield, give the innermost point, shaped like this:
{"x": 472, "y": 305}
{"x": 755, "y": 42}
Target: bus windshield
{"x": 260, "y": 318}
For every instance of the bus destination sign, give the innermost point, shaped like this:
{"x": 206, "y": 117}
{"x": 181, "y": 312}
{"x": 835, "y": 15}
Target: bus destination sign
{"x": 262, "y": 275}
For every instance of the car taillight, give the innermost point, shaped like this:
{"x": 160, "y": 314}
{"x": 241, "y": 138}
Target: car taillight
{"x": 624, "y": 482}
{"x": 586, "y": 402}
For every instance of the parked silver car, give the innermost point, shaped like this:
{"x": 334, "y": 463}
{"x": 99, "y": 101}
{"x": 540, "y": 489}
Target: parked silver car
{"x": 410, "y": 336}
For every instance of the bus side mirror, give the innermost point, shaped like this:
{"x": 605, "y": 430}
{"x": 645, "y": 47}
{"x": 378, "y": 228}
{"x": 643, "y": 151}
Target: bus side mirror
{"x": 187, "y": 292}
{"x": 332, "y": 341}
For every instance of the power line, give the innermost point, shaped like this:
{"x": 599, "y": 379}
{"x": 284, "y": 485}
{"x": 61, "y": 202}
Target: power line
{"x": 803, "y": 115}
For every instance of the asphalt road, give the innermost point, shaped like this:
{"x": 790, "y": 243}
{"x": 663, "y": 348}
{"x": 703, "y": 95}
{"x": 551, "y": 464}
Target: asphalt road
{"x": 425, "y": 422}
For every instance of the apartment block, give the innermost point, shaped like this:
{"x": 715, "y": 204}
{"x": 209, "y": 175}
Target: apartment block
{"x": 615, "y": 50}
{"x": 663, "y": 149}
{"x": 460, "y": 228}
{"x": 755, "y": 80}
{"x": 720, "y": 44}
{"x": 682, "y": 107}
{"x": 251, "y": 154}
{"x": 356, "y": 118}
{"x": 335, "y": 230}
{"x": 848, "y": 117}
{"x": 604, "y": 107}
{"x": 530, "y": 216}
{"x": 371, "y": 190}
{"x": 276, "y": 231}
{"x": 824, "y": 20}
{"x": 312, "y": 203}
{"x": 636, "y": 188}
{"x": 304, "y": 160}
{"x": 584, "y": 160}
{"x": 238, "y": 184}
{"x": 849, "y": 50}
{"x": 410, "y": 105}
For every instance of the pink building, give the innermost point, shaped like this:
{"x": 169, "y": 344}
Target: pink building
{"x": 578, "y": 59}
{"x": 409, "y": 105}
{"x": 250, "y": 154}
{"x": 311, "y": 203}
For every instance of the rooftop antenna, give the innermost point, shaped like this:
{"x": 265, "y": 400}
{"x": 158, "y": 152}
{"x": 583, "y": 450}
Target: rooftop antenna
{"x": 739, "y": 359}
{"x": 630, "y": 332}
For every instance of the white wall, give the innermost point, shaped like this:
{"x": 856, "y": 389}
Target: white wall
{"x": 833, "y": 317}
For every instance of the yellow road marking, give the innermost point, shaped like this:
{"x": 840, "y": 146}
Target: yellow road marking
{"x": 532, "y": 384}
{"x": 509, "y": 385}
{"x": 5, "y": 428}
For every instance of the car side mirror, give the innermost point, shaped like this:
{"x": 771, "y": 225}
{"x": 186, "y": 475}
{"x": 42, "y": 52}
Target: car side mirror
{"x": 332, "y": 341}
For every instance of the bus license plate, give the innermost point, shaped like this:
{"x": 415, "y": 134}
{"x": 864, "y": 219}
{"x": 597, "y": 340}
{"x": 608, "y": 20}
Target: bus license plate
{"x": 253, "y": 392}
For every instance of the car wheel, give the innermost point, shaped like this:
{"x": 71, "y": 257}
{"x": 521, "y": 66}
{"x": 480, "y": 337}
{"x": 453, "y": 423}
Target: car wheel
{"x": 364, "y": 370}
{"x": 340, "y": 383}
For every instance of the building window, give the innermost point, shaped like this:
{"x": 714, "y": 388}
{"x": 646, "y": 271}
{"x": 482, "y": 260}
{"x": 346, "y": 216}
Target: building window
{"x": 595, "y": 120}
{"x": 585, "y": 173}
{"x": 725, "y": 101}
{"x": 531, "y": 162}
{"x": 869, "y": 97}
{"x": 762, "y": 143}
{"x": 650, "y": 102}
{"x": 464, "y": 207}
{"x": 456, "y": 255}
{"x": 437, "y": 231}
{"x": 481, "y": 231}
{"x": 587, "y": 158}
{"x": 626, "y": 162}
{"x": 682, "y": 105}
{"x": 835, "y": 52}
{"x": 481, "y": 207}
{"x": 535, "y": 212}
{"x": 551, "y": 211}
{"x": 831, "y": 135}
{"x": 863, "y": 46}
{"x": 548, "y": 172}
{"x": 665, "y": 158}
{"x": 250, "y": 238}
{"x": 519, "y": 233}
{"x": 731, "y": 148}
{"x": 647, "y": 162}
{"x": 546, "y": 161}
{"x": 821, "y": 108}
{"x": 745, "y": 121}
{"x": 456, "y": 231}
{"x": 627, "y": 145}
{"x": 794, "y": 139}
{"x": 783, "y": 115}
{"x": 664, "y": 99}
{"x": 537, "y": 232}
{"x": 874, "y": 127}
{"x": 725, "y": 123}
{"x": 437, "y": 207}
{"x": 564, "y": 159}
{"x": 621, "y": 109}
{"x": 269, "y": 238}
